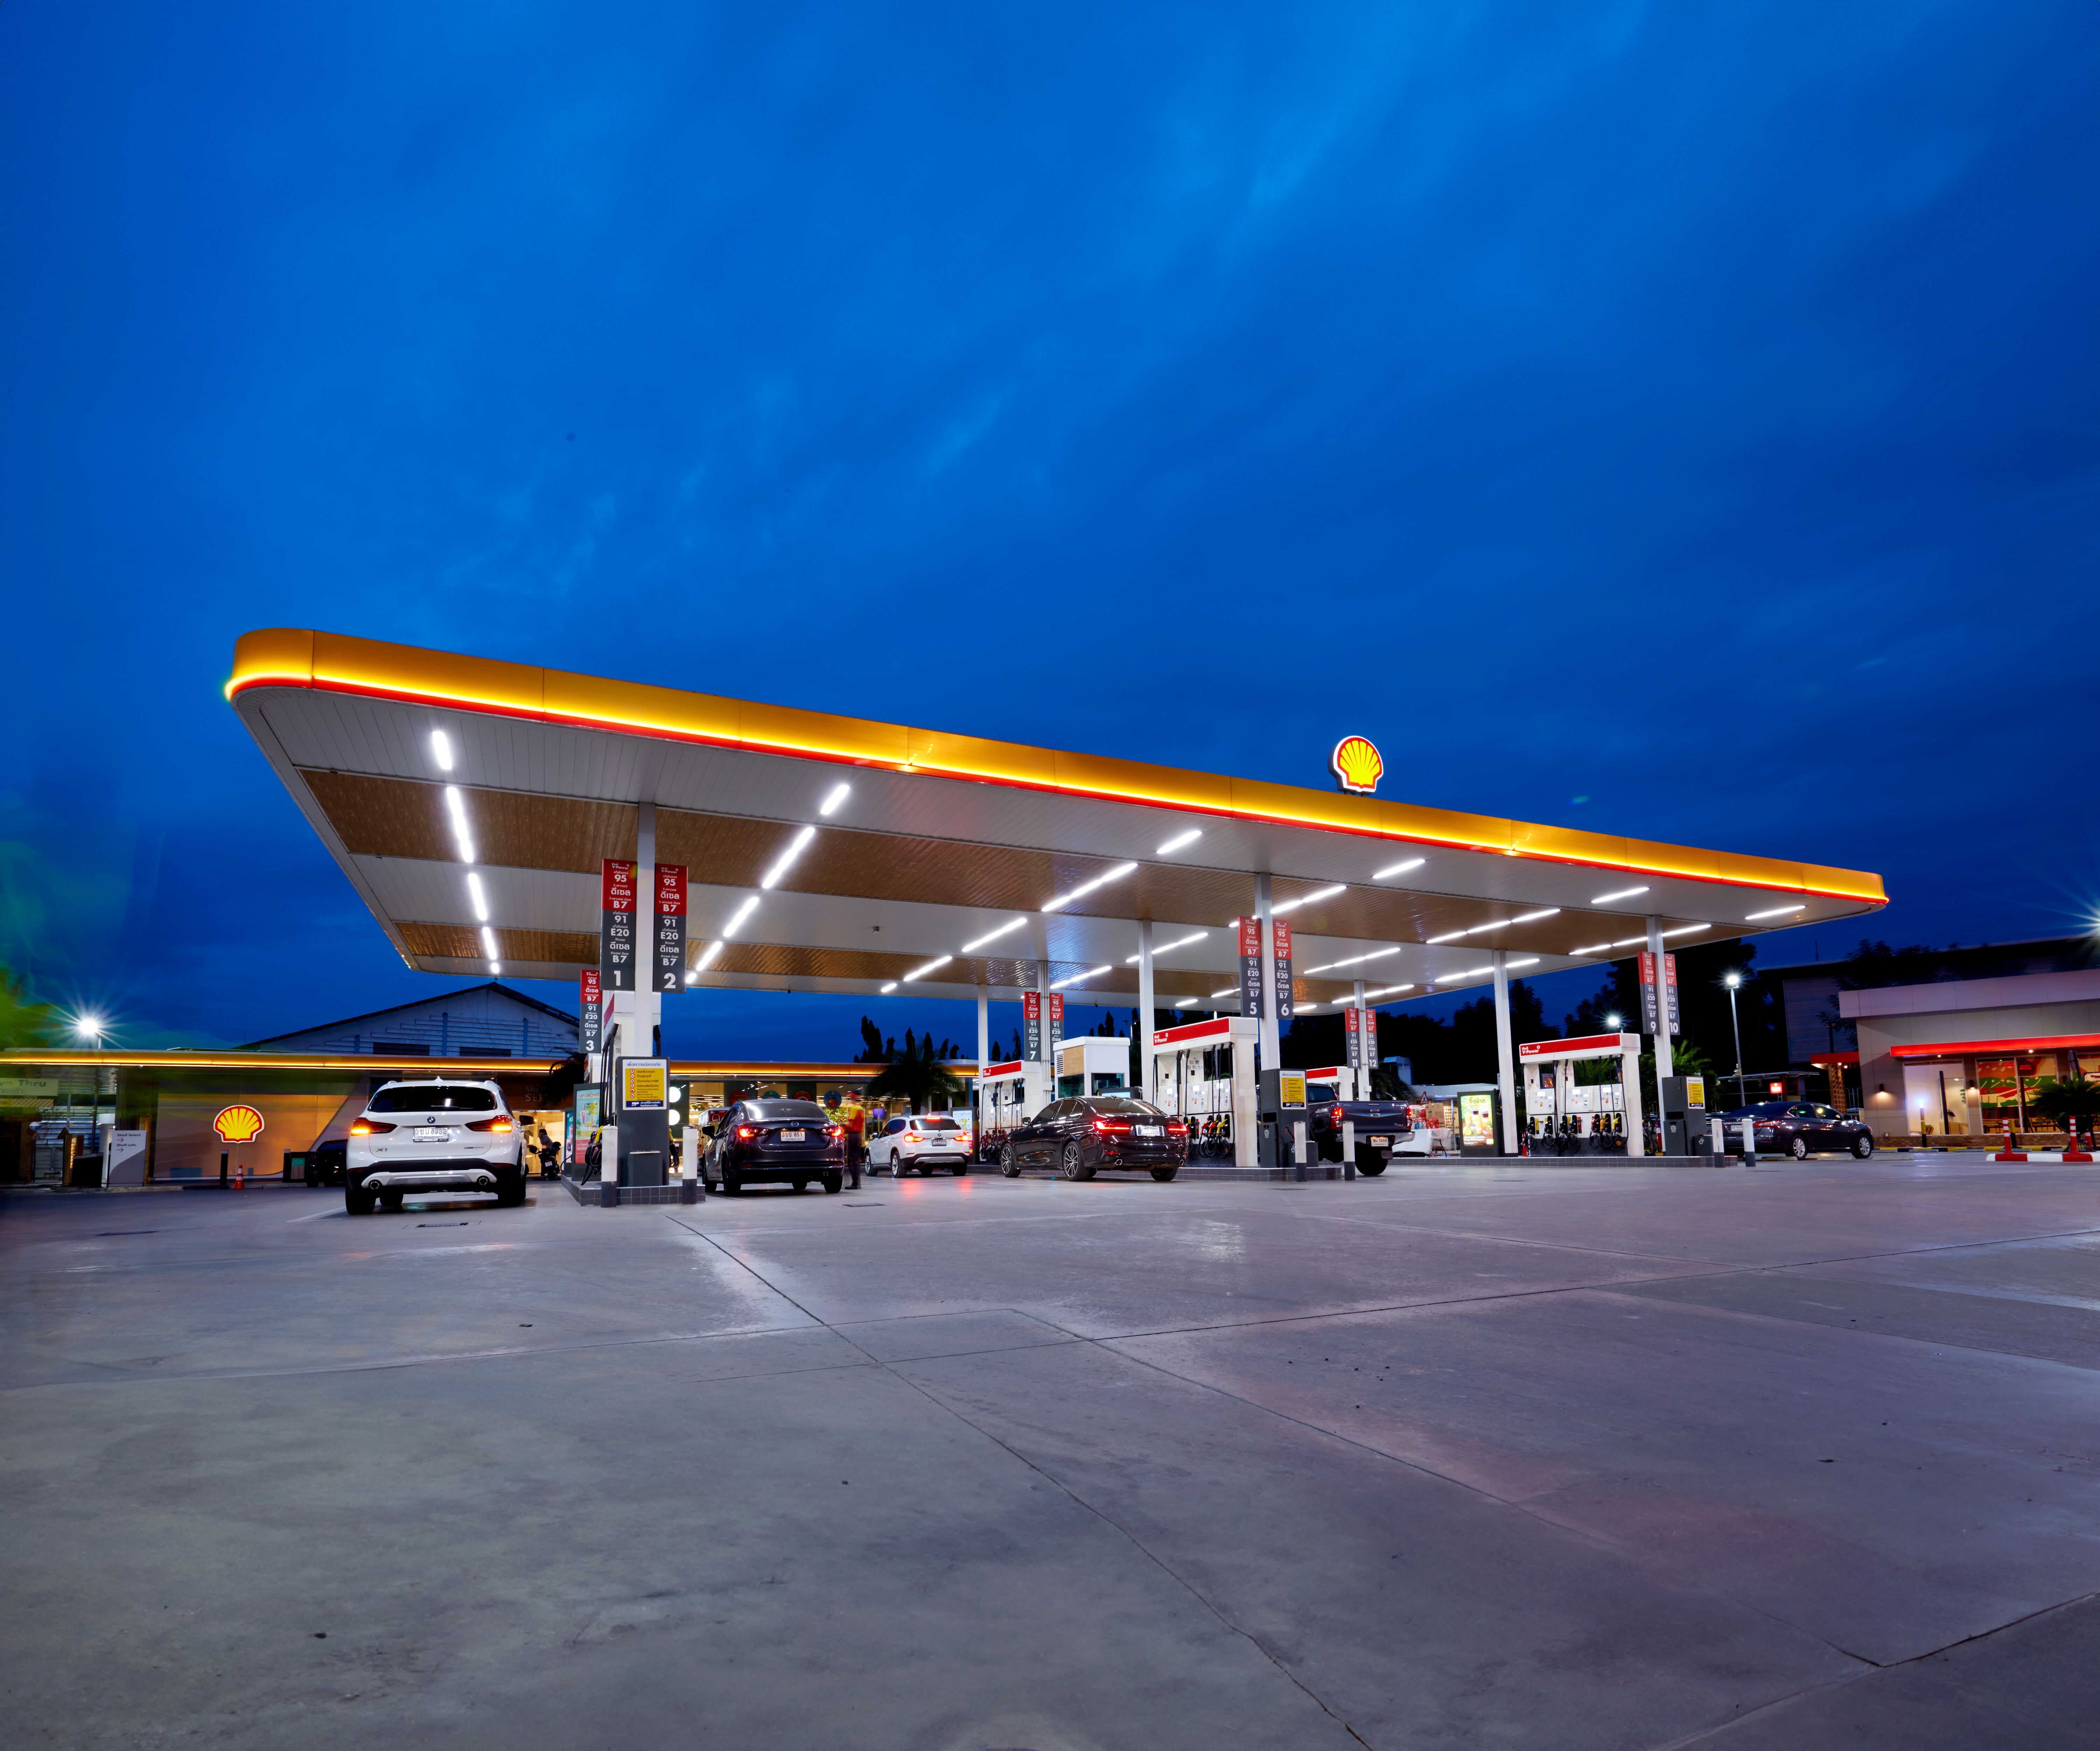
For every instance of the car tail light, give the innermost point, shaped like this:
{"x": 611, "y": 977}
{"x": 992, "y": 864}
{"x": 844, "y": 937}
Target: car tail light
{"x": 747, "y": 1132}
{"x": 1334, "y": 1114}
{"x": 368, "y": 1127}
{"x": 911, "y": 1136}
{"x": 1175, "y": 1128}
{"x": 835, "y": 1131}
{"x": 491, "y": 1124}
{"x": 1110, "y": 1124}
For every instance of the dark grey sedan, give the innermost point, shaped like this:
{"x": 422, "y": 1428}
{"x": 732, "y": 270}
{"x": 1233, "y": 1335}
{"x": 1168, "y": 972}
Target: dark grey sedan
{"x": 1799, "y": 1128}
{"x": 1080, "y": 1137}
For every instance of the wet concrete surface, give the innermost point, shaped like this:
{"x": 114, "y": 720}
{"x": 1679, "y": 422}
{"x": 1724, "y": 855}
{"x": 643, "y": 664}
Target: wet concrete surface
{"x": 1803, "y": 1456}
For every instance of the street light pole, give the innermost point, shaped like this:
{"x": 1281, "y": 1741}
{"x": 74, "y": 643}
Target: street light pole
{"x": 1732, "y": 981}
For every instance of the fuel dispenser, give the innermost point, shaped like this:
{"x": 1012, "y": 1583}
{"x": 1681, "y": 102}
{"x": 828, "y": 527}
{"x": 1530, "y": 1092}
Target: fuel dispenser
{"x": 1008, "y": 1095}
{"x": 1092, "y": 1065}
{"x": 1203, "y": 1073}
{"x": 1684, "y": 1100}
{"x": 1562, "y": 1118}
{"x": 642, "y": 1087}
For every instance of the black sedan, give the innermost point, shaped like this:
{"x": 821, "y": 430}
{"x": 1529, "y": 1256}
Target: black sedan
{"x": 1799, "y": 1128}
{"x": 1080, "y": 1137}
{"x": 780, "y": 1142}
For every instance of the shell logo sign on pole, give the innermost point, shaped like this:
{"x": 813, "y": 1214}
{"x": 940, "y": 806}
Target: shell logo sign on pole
{"x": 238, "y": 1124}
{"x": 1355, "y": 763}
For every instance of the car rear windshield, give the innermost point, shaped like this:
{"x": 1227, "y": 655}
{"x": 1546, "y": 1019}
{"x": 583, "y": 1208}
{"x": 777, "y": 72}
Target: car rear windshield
{"x": 1123, "y": 1103}
{"x": 936, "y": 1124}
{"x": 783, "y": 1109}
{"x": 433, "y": 1097}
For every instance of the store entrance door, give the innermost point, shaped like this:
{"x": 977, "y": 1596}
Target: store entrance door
{"x": 1935, "y": 1100}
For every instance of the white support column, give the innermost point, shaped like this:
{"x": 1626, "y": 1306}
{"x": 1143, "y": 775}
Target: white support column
{"x": 1141, "y": 1023}
{"x": 1366, "y": 1045}
{"x": 1049, "y": 1056}
{"x": 1631, "y": 1097}
{"x": 984, "y": 1057}
{"x": 1505, "y": 1052}
{"x": 1665, "y": 1063}
{"x": 1271, "y": 1042}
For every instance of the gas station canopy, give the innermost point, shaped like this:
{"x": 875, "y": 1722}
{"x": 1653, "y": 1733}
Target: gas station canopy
{"x": 471, "y": 803}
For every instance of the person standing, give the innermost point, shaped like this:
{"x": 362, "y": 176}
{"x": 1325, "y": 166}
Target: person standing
{"x": 854, "y": 1116}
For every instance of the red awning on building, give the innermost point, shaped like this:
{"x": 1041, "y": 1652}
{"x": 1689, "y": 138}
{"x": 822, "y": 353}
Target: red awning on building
{"x": 1995, "y": 1049}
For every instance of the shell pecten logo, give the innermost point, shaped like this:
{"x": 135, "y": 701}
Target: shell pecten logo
{"x": 1355, "y": 763}
{"x": 238, "y": 1124}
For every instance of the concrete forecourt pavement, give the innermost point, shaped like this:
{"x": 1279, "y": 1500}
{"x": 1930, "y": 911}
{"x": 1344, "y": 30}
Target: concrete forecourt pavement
{"x": 1795, "y": 1457}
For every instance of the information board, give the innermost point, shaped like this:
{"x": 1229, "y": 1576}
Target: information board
{"x": 1250, "y": 935}
{"x": 644, "y": 1085}
{"x": 615, "y": 928}
{"x": 670, "y": 927}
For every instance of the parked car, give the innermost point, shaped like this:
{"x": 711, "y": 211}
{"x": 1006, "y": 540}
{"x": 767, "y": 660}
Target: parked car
{"x": 920, "y": 1143}
{"x": 432, "y": 1136}
{"x": 1799, "y": 1128}
{"x": 1382, "y": 1126}
{"x": 326, "y": 1162}
{"x": 1082, "y": 1136}
{"x": 790, "y": 1141}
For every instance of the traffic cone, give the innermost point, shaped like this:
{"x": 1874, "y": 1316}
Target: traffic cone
{"x": 2012, "y": 1151}
{"x": 2080, "y": 1147}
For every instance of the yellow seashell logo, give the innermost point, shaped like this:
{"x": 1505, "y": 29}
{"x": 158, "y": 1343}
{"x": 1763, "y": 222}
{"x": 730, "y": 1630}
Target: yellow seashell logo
{"x": 1356, "y": 764}
{"x": 238, "y": 1124}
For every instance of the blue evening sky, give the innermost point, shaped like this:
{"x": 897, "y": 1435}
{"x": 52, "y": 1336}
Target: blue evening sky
{"x": 1672, "y": 420}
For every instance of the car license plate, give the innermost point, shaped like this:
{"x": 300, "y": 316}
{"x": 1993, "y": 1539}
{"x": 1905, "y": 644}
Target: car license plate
{"x": 791, "y": 1136}
{"x": 1148, "y": 1131}
{"x": 1383, "y": 1143}
{"x": 431, "y": 1134}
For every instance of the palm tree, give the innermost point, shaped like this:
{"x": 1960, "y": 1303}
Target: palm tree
{"x": 2071, "y": 1100}
{"x": 917, "y": 1074}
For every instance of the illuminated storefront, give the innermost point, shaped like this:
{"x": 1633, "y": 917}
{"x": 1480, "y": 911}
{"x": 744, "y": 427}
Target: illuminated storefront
{"x": 1959, "y": 1058}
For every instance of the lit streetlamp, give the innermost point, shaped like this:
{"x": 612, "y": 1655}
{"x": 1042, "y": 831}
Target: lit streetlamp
{"x": 1733, "y": 981}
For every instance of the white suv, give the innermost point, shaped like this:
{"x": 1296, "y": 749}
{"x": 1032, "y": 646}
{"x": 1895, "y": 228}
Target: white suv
{"x": 928, "y": 1141}
{"x": 433, "y": 1136}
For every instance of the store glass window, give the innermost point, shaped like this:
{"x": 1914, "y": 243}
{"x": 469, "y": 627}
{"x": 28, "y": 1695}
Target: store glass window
{"x": 2005, "y": 1085}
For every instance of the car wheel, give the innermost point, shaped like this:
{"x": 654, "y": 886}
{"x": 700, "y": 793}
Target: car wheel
{"x": 357, "y": 1201}
{"x": 1799, "y": 1149}
{"x": 509, "y": 1193}
{"x": 1074, "y": 1163}
{"x": 1370, "y": 1163}
{"x": 800, "y": 1185}
{"x": 1162, "y": 1175}
{"x": 834, "y": 1182}
{"x": 960, "y": 1169}
{"x": 390, "y": 1202}
{"x": 1863, "y": 1147}
{"x": 1008, "y": 1166}
{"x": 732, "y": 1182}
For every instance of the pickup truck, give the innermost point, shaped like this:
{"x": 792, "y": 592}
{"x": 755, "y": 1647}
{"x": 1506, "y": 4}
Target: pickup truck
{"x": 1384, "y": 1128}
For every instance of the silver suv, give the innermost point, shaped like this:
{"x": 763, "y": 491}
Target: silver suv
{"x": 433, "y": 1136}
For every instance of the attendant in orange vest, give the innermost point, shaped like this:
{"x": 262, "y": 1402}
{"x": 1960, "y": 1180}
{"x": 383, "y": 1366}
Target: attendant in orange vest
{"x": 854, "y": 1116}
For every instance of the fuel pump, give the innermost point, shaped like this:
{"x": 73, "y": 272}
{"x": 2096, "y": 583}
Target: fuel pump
{"x": 1683, "y": 1102}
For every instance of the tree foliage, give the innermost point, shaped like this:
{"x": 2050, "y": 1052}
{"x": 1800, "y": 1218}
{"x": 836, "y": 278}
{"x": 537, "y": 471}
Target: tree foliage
{"x": 917, "y": 1074}
{"x": 2067, "y": 1099}
{"x": 23, "y": 1023}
